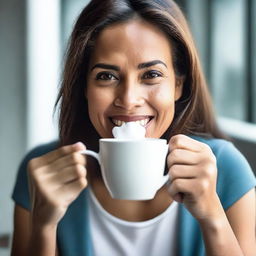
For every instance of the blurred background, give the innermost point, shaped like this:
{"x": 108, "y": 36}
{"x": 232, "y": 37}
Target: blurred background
{"x": 33, "y": 38}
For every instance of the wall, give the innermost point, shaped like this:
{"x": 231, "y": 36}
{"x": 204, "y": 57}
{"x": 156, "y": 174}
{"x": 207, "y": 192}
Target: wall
{"x": 12, "y": 103}
{"x": 29, "y": 71}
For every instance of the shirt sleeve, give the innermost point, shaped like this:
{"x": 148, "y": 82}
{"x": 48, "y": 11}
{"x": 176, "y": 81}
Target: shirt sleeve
{"x": 235, "y": 176}
{"x": 20, "y": 193}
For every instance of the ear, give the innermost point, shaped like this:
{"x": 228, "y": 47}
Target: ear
{"x": 179, "y": 87}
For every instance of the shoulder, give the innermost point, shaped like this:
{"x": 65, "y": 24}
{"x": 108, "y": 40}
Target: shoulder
{"x": 37, "y": 152}
{"x": 235, "y": 176}
{"x": 225, "y": 151}
{"x": 41, "y": 150}
{"x": 215, "y": 144}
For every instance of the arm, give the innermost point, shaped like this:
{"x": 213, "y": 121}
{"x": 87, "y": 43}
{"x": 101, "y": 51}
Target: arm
{"x": 233, "y": 232}
{"x": 242, "y": 218}
{"x": 193, "y": 174}
{"x": 21, "y": 232}
{"x": 22, "y": 236}
{"x": 55, "y": 181}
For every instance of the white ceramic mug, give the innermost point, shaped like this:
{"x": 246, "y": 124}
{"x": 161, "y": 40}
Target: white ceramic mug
{"x": 132, "y": 169}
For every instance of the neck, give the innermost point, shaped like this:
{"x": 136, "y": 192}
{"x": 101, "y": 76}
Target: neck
{"x": 131, "y": 210}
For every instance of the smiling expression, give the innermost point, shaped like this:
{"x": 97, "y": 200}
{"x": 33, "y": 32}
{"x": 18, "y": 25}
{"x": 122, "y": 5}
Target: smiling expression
{"x": 131, "y": 78}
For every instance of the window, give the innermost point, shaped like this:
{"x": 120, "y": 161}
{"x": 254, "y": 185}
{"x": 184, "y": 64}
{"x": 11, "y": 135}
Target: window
{"x": 228, "y": 74}
{"x": 225, "y": 34}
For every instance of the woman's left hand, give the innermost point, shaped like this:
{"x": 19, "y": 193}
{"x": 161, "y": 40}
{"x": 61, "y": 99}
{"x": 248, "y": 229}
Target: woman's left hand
{"x": 193, "y": 176}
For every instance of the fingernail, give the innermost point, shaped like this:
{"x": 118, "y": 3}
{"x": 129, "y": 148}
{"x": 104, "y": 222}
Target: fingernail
{"x": 79, "y": 144}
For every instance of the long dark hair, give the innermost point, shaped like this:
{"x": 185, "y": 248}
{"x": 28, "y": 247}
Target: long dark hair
{"x": 193, "y": 111}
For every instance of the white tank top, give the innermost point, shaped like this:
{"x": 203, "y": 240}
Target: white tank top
{"x": 112, "y": 236}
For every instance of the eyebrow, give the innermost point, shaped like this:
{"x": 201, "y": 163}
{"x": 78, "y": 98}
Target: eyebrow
{"x": 106, "y": 66}
{"x": 140, "y": 66}
{"x": 151, "y": 63}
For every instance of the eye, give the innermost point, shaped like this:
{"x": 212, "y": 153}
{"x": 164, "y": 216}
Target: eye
{"x": 105, "y": 76}
{"x": 152, "y": 74}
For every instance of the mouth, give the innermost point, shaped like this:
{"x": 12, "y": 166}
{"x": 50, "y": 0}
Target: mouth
{"x": 120, "y": 120}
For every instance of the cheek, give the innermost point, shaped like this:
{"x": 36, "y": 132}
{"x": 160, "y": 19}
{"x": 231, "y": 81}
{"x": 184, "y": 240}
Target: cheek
{"x": 95, "y": 98}
{"x": 98, "y": 102}
{"x": 163, "y": 98}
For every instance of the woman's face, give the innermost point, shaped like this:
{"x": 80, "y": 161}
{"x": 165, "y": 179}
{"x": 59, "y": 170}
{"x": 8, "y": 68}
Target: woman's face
{"x": 131, "y": 78}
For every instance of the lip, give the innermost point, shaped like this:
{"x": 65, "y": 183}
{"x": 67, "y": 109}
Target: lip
{"x": 130, "y": 118}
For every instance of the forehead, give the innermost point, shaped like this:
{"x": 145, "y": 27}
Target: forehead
{"x": 136, "y": 39}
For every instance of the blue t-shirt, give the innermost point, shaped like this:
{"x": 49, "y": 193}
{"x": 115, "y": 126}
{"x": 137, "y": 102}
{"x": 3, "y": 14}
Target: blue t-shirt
{"x": 235, "y": 178}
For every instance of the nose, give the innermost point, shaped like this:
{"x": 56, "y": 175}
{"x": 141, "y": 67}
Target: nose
{"x": 129, "y": 96}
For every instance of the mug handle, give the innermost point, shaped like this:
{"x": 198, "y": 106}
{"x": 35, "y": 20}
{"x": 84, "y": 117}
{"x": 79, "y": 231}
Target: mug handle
{"x": 166, "y": 177}
{"x": 91, "y": 153}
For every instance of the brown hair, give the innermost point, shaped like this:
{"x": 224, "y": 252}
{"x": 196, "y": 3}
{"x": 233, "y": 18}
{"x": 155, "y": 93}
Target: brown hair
{"x": 193, "y": 111}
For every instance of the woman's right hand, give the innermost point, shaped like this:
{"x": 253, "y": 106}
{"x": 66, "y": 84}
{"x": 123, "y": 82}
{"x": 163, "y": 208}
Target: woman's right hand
{"x": 55, "y": 181}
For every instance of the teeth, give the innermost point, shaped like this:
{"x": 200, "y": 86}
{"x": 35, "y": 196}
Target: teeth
{"x": 118, "y": 122}
{"x": 142, "y": 122}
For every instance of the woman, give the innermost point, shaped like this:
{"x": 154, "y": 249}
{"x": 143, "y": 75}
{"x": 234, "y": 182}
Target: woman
{"x": 131, "y": 60}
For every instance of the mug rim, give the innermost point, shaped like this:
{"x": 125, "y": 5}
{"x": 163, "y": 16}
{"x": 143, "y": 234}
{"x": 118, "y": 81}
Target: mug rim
{"x": 132, "y": 140}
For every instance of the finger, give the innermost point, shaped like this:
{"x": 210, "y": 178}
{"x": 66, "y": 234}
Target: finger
{"x": 181, "y": 141}
{"x": 177, "y": 171}
{"x": 182, "y": 156}
{"x": 70, "y": 191}
{"x": 192, "y": 189}
{"x": 68, "y": 174}
{"x": 179, "y": 197}
{"x": 47, "y": 172}
{"x": 183, "y": 186}
{"x": 61, "y": 152}
{"x": 68, "y": 160}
